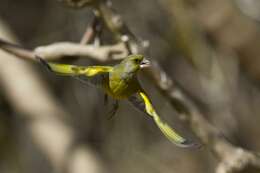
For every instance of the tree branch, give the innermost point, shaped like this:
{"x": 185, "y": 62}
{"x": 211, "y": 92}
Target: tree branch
{"x": 237, "y": 158}
{"x": 60, "y": 50}
{"x": 103, "y": 53}
{"x": 231, "y": 158}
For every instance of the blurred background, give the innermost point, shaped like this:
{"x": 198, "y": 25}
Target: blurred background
{"x": 210, "y": 48}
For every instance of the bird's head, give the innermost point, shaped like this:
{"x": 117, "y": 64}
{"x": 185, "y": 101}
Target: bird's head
{"x": 133, "y": 63}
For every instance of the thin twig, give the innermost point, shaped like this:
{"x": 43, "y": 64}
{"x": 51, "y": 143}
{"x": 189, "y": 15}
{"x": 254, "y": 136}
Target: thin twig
{"x": 91, "y": 31}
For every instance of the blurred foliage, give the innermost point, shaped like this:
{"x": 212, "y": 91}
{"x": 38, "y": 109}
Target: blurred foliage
{"x": 130, "y": 142}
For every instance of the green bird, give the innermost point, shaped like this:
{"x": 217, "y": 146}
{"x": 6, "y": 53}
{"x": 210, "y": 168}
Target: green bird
{"x": 121, "y": 82}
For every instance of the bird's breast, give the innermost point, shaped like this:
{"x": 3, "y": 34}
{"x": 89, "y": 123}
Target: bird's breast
{"x": 121, "y": 88}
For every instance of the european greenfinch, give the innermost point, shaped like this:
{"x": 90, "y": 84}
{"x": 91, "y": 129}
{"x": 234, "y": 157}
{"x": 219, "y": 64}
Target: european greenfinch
{"x": 121, "y": 82}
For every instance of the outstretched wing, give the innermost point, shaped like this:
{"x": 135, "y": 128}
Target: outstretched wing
{"x": 143, "y": 103}
{"x": 73, "y": 70}
{"x": 90, "y": 74}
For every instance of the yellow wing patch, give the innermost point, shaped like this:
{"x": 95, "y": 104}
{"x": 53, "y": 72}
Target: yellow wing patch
{"x": 78, "y": 70}
{"x": 73, "y": 70}
{"x": 170, "y": 133}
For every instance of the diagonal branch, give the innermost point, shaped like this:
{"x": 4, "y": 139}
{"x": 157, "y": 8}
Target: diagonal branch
{"x": 231, "y": 158}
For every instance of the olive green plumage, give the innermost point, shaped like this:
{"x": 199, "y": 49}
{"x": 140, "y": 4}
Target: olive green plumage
{"x": 120, "y": 82}
{"x": 123, "y": 80}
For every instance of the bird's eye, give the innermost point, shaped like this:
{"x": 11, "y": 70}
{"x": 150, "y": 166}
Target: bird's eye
{"x": 137, "y": 60}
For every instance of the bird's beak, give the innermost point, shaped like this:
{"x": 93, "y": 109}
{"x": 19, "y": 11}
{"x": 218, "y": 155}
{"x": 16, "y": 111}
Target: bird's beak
{"x": 145, "y": 63}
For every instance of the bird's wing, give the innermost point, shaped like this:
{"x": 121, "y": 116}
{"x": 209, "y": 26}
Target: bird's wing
{"x": 73, "y": 70}
{"x": 87, "y": 74}
{"x": 142, "y": 102}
